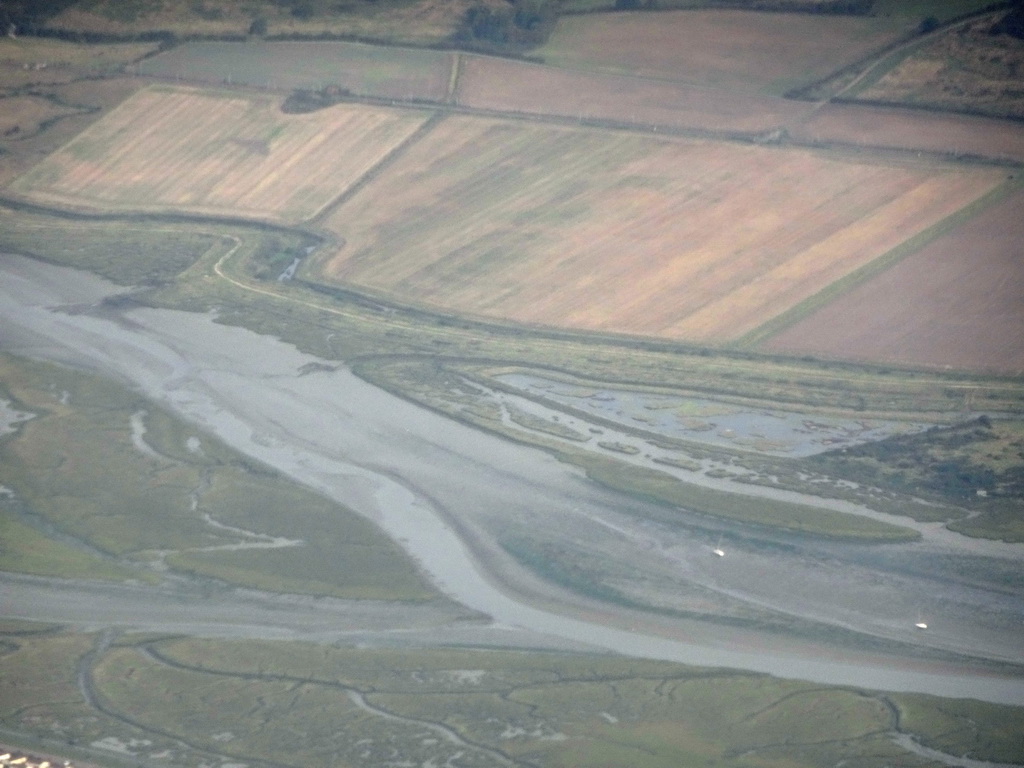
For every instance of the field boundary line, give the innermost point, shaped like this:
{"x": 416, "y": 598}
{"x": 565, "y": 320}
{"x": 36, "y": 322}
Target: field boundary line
{"x": 453, "y": 78}
{"x": 875, "y": 267}
{"x": 377, "y": 168}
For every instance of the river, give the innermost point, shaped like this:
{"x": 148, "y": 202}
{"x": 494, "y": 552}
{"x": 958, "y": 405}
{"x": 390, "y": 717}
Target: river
{"x": 449, "y": 494}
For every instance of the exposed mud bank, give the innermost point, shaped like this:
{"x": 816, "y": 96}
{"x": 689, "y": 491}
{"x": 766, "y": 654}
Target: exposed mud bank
{"x": 450, "y": 495}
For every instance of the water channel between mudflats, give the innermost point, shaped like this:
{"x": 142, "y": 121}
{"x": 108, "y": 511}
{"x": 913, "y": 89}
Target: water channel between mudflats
{"x": 425, "y": 479}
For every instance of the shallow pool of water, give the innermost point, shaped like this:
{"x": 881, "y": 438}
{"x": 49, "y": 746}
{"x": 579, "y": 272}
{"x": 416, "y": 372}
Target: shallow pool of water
{"x": 700, "y": 420}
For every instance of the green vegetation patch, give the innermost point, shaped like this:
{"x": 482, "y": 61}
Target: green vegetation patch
{"x": 185, "y": 701}
{"x": 39, "y": 670}
{"x": 664, "y": 488}
{"x": 121, "y": 251}
{"x": 105, "y": 485}
{"x": 295, "y": 702}
{"x": 967, "y": 728}
{"x": 978, "y": 464}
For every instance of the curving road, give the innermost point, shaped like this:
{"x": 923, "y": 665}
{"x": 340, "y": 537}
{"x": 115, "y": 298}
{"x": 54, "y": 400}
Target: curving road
{"x": 828, "y": 612}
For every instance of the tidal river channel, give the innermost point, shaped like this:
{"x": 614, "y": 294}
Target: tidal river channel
{"x": 450, "y": 494}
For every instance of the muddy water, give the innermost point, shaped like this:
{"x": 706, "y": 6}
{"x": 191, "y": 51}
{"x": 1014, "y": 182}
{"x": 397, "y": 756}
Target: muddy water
{"x": 435, "y": 485}
{"x": 705, "y": 421}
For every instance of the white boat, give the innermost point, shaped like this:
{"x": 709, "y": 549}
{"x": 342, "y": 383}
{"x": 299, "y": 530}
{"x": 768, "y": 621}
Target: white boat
{"x": 921, "y": 625}
{"x": 718, "y": 549}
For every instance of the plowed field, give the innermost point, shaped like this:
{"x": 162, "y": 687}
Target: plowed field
{"x": 217, "y": 153}
{"x": 737, "y": 50}
{"x": 622, "y": 232}
{"x": 958, "y": 302}
{"x": 516, "y": 86}
{"x": 900, "y": 128}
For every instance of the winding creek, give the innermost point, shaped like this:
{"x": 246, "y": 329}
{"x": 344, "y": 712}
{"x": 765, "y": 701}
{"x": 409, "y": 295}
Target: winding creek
{"x": 450, "y": 495}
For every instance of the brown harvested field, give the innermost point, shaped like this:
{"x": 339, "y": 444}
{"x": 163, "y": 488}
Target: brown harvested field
{"x": 914, "y": 129}
{"x": 957, "y": 302}
{"x": 738, "y": 50}
{"x": 624, "y": 232}
{"x": 534, "y": 89}
{"x": 217, "y": 153}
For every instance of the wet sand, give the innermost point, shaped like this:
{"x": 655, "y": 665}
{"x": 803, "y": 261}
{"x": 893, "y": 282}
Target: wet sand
{"x": 448, "y": 493}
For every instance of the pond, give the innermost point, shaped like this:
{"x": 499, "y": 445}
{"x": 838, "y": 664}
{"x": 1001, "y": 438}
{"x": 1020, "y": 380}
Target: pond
{"x": 701, "y": 420}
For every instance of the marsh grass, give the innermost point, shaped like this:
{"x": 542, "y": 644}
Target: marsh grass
{"x": 107, "y": 508}
{"x": 334, "y": 553}
{"x": 290, "y": 702}
{"x": 664, "y": 488}
{"x": 953, "y": 727}
{"x": 123, "y": 252}
{"x": 25, "y": 549}
{"x": 295, "y": 704}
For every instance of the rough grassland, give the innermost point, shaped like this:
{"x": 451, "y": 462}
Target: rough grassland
{"x": 423, "y": 22}
{"x": 33, "y": 60}
{"x": 24, "y": 116}
{"x": 968, "y": 68}
{"x": 626, "y": 233}
{"x": 738, "y": 50}
{"x": 956, "y": 302}
{"x": 217, "y": 153}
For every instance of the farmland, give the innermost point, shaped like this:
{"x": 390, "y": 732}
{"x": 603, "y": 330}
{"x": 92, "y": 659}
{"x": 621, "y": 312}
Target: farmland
{"x": 479, "y": 237}
{"x": 627, "y": 233}
{"x": 520, "y": 87}
{"x": 734, "y": 50}
{"x": 43, "y": 61}
{"x": 361, "y": 69}
{"x": 217, "y": 153}
{"x": 945, "y": 299}
{"x": 881, "y": 127}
